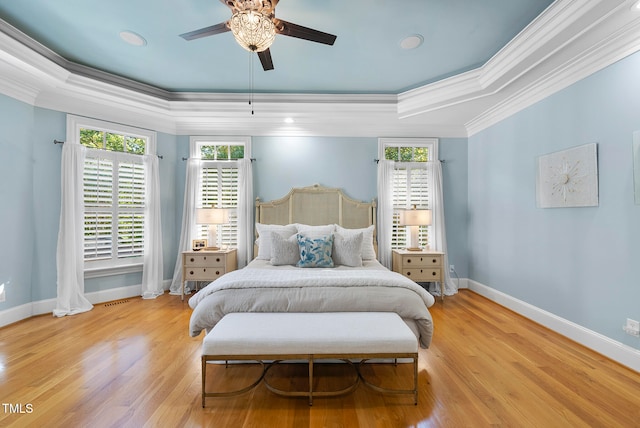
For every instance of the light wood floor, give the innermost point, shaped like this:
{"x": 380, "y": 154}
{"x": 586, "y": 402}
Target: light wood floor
{"x": 134, "y": 364}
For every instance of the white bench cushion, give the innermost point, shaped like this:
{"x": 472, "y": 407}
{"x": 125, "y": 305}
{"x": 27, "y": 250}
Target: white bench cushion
{"x": 260, "y": 333}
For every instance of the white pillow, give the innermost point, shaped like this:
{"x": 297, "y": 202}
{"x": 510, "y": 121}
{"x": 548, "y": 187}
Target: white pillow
{"x": 264, "y": 237}
{"x": 368, "y": 252}
{"x": 347, "y": 250}
{"x": 284, "y": 251}
{"x": 315, "y": 231}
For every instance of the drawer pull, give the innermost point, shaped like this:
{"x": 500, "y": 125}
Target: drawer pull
{"x": 408, "y": 260}
{"x": 218, "y": 259}
{"x": 408, "y": 273}
{"x": 435, "y": 261}
{"x": 217, "y": 272}
{"x": 421, "y": 258}
{"x": 192, "y": 260}
{"x": 190, "y": 272}
{"x": 433, "y": 273}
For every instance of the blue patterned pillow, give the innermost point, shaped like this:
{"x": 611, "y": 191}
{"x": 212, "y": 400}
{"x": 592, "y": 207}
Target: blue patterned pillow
{"x": 315, "y": 252}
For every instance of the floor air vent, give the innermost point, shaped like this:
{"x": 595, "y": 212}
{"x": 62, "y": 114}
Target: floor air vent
{"x": 118, "y": 302}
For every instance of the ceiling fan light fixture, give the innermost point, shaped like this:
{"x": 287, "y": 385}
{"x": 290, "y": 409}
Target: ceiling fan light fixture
{"x": 252, "y": 30}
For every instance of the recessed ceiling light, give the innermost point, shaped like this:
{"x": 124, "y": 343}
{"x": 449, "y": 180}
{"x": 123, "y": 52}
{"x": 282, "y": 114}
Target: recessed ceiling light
{"x": 288, "y": 120}
{"x": 411, "y": 42}
{"x": 133, "y": 38}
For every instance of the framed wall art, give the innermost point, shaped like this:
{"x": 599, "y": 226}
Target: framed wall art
{"x": 568, "y": 178}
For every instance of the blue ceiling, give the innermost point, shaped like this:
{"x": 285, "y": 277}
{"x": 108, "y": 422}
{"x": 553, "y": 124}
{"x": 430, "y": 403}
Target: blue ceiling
{"x": 459, "y": 35}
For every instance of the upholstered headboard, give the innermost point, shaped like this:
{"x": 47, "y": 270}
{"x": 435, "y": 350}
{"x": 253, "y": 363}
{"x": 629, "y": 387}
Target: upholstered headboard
{"x": 317, "y": 205}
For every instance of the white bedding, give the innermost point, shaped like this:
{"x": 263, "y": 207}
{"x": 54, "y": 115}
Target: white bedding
{"x": 261, "y": 287}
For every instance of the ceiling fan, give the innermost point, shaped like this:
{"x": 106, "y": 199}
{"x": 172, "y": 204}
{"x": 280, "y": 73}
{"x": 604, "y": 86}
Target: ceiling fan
{"x": 254, "y": 26}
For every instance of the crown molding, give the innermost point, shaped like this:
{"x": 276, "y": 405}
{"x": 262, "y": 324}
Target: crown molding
{"x": 548, "y": 38}
{"x": 596, "y": 50}
{"x": 567, "y": 42}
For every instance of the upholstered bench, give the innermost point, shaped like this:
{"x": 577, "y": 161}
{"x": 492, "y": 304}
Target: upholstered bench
{"x": 349, "y": 336}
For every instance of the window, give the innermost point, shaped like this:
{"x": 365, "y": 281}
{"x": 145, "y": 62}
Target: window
{"x": 218, "y": 181}
{"x": 114, "y": 194}
{"x": 411, "y": 181}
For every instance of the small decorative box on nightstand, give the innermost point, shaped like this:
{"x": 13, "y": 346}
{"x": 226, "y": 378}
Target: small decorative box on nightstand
{"x": 420, "y": 266}
{"x": 207, "y": 265}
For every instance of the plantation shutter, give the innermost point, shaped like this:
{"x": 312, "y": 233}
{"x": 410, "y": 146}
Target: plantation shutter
{"x": 114, "y": 197}
{"x": 219, "y": 181}
{"x": 410, "y": 187}
{"x": 131, "y": 197}
{"x": 98, "y": 213}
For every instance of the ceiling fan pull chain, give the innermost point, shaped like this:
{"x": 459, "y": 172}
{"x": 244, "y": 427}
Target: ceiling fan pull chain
{"x": 251, "y": 82}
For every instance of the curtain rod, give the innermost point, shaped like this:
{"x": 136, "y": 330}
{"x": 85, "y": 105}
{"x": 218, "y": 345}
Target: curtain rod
{"x": 439, "y": 160}
{"x": 62, "y": 142}
{"x": 251, "y": 159}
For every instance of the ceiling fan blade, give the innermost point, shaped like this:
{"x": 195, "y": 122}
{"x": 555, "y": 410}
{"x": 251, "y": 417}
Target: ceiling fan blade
{"x": 206, "y": 31}
{"x": 265, "y": 59}
{"x": 294, "y": 30}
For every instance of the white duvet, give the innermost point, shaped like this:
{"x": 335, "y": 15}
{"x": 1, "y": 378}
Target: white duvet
{"x": 261, "y": 287}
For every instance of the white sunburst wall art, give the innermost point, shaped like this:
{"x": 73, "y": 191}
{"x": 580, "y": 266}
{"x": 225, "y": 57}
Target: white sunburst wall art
{"x": 568, "y": 178}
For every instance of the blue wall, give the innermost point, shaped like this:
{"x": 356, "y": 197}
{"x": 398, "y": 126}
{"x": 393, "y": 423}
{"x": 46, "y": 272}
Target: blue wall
{"x": 286, "y": 162}
{"x": 578, "y": 263}
{"x": 30, "y": 164}
{"x": 16, "y": 193}
{"x": 30, "y": 207}
{"x": 453, "y": 151}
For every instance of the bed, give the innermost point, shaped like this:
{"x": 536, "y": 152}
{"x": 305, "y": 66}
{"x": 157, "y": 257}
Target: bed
{"x": 295, "y": 237}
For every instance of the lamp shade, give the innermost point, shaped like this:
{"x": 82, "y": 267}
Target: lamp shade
{"x": 212, "y": 216}
{"x": 415, "y": 217}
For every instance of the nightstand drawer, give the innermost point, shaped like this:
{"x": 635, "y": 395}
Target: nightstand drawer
{"x": 423, "y": 275}
{"x": 421, "y": 261}
{"x": 207, "y": 265}
{"x": 208, "y": 260}
{"x": 202, "y": 273}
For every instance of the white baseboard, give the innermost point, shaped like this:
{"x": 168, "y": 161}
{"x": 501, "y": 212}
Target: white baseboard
{"x": 19, "y": 313}
{"x": 619, "y": 352}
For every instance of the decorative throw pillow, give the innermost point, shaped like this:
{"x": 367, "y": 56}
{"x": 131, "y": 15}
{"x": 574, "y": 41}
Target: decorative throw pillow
{"x": 368, "y": 251}
{"x": 347, "y": 250}
{"x": 315, "y": 252}
{"x": 264, "y": 237}
{"x": 284, "y": 251}
{"x": 315, "y": 231}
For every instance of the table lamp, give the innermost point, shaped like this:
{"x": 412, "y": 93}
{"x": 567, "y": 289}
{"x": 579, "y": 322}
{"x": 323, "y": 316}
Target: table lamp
{"x": 212, "y": 217}
{"x": 414, "y": 218}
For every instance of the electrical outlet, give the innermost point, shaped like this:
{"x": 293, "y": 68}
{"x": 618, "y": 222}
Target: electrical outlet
{"x": 452, "y": 268}
{"x": 2, "y": 297}
{"x": 632, "y": 327}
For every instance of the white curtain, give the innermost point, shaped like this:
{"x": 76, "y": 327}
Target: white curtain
{"x": 69, "y": 257}
{"x": 385, "y": 211}
{"x": 152, "y": 270}
{"x": 188, "y": 223}
{"x": 245, "y": 212}
{"x": 440, "y": 237}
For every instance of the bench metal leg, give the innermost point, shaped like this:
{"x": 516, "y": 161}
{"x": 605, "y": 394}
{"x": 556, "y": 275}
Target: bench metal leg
{"x": 311, "y": 381}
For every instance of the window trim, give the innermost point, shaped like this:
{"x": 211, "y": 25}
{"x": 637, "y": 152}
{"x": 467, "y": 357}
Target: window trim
{"x": 74, "y": 124}
{"x": 196, "y": 142}
{"x": 430, "y": 143}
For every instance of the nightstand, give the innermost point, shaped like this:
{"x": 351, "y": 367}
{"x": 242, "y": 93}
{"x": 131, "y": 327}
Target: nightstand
{"x": 207, "y": 265}
{"x": 420, "y": 266}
